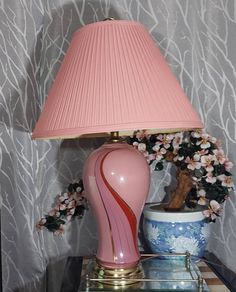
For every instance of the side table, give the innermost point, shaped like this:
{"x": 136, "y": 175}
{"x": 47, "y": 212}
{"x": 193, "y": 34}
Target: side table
{"x": 76, "y": 266}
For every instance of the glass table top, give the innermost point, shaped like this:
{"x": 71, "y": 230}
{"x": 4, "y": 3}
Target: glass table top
{"x": 160, "y": 273}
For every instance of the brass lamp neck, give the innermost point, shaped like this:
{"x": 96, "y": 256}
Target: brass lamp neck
{"x": 114, "y": 137}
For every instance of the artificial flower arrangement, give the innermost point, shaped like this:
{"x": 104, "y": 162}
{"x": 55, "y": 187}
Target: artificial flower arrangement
{"x": 69, "y": 205}
{"x": 203, "y": 175}
{"x": 203, "y": 171}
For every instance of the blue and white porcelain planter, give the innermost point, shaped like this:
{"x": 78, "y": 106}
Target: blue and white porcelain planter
{"x": 175, "y": 232}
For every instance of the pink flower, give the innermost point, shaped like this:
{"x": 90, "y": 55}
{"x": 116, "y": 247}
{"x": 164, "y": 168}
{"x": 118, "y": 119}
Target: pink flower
{"x": 210, "y": 178}
{"x": 220, "y": 156}
{"x": 71, "y": 204}
{"x": 226, "y": 180}
{"x": 68, "y": 218}
{"x": 41, "y": 223}
{"x": 71, "y": 211}
{"x": 202, "y": 197}
{"x": 52, "y": 212}
{"x": 164, "y": 140}
{"x": 142, "y": 148}
{"x": 204, "y": 142}
{"x": 192, "y": 164}
{"x": 160, "y": 154}
{"x": 57, "y": 214}
{"x": 213, "y": 140}
{"x": 145, "y": 154}
{"x": 228, "y": 165}
{"x": 178, "y": 139}
{"x": 207, "y": 161}
{"x": 213, "y": 211}
{"x": 62, "y": 207}
{"x": 151, "y": 157}
{"x": 202, "y": 152}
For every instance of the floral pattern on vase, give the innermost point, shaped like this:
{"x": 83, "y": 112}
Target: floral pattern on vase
{"x": 176, "y": 237}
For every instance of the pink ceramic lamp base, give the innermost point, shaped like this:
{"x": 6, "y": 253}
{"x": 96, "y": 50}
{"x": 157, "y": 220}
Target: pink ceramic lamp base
{"x": 116, "y": 179}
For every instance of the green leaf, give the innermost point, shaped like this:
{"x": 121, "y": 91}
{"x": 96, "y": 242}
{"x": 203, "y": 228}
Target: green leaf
{"x": 159, "y": 166}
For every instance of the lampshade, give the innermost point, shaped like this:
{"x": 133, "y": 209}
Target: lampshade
{"x": 114, "y": 78}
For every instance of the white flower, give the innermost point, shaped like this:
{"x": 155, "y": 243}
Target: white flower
{"x": 78, "y": 189}
{"x": 156, "y": 148}
{"x": 152, "y": 233}
{"x": 177, "y": 157}
{"x": 202, "y": 193}
{"x": 196, "y": 157}
{"x": 182, "y": 244}
{"x": 142, "y": 147}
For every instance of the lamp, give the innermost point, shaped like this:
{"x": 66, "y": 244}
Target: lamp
{"x": 114, "y": 79}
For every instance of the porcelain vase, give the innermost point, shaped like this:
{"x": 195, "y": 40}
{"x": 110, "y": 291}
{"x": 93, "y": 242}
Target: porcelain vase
{"x": 175, "y": 232}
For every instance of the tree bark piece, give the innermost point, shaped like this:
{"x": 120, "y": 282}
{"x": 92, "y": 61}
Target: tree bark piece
{"x": 178, "y": 196}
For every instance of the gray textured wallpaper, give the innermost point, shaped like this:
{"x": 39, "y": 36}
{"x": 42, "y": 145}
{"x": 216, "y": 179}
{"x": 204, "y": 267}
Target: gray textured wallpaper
{"x": 197, "y": 39}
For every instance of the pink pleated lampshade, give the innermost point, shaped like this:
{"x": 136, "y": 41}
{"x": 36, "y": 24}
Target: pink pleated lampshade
{"x": 114, "y": 78}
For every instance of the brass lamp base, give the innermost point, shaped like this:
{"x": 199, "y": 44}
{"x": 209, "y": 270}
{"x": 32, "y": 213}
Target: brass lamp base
{"x": 118, "y": 277}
